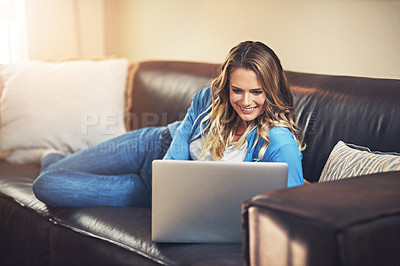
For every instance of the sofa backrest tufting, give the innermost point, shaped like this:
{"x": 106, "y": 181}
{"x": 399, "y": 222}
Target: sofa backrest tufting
{"x": 362, "y": 111}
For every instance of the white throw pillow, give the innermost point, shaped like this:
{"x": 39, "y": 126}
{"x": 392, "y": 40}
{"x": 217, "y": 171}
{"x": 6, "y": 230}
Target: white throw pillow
{"x": 348, "y": 160}
{"x": 65, "y": 106}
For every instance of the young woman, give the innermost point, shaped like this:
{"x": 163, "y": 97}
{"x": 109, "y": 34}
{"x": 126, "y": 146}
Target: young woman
{"x": 245, "y": 115}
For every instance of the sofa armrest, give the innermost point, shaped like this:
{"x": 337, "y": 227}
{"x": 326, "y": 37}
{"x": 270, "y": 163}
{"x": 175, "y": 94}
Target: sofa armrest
{"x": 355, "y": 221}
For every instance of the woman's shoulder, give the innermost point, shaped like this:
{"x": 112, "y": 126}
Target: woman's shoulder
{"x": 203, "y": 94}
{"x": 281, "y": 136}
{"x": 282, "y": 143}
{"x": 203, "y": 98}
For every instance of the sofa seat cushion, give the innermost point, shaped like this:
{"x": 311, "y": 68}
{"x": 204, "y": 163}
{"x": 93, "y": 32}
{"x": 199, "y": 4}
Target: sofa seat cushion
{"x": 355, "y": 221}
{"x": 130, "y": 229}
{"x": 16, "y": 183}
{"x": 72, "y": 235}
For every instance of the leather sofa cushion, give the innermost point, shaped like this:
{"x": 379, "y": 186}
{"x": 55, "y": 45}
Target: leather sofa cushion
{"x": 72, "y": 235}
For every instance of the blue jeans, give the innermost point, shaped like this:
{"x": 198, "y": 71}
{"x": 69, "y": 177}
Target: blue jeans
{"x": 116, "y": 172}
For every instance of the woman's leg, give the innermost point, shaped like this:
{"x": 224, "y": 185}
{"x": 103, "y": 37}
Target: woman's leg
{"x": 124, "y": 154}
{"x": 65, "y": 188}
{"x": 115, "y": 172}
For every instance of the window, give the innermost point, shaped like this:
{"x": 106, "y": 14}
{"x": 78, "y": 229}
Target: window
{"x": 13, "y": 39}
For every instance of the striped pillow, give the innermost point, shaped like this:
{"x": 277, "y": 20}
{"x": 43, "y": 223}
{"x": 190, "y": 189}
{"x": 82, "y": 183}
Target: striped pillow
{"x": 345, "y": 161}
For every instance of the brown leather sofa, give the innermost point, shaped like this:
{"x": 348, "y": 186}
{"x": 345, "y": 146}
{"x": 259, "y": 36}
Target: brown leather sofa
{"x": 348, "y": 222}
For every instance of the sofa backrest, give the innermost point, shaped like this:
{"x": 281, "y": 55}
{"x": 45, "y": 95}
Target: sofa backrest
{"x": 362, "y": 111}
{"x": 356, "y": 110}
{"x": 162, "y": 91}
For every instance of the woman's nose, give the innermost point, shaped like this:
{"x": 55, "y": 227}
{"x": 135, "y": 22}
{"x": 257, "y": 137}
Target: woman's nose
{"x": 246, "y": 99}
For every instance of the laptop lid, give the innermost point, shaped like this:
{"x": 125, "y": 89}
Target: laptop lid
{"x": 200, "y": 201}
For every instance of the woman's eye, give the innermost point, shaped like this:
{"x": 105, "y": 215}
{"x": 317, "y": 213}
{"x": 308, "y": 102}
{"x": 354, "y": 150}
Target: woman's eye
{"x": 236, "y": 90}
{"x": 257, "y": 92}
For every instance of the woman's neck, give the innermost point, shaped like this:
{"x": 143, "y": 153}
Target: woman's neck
{"x": 240, "y": 129}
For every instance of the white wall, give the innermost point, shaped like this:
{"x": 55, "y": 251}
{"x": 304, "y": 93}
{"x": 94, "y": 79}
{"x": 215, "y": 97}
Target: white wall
{"x": 62, "y": 29}
{"x": 352, "y": 37}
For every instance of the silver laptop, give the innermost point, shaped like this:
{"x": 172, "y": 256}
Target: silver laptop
{"x": 200, "y": 201}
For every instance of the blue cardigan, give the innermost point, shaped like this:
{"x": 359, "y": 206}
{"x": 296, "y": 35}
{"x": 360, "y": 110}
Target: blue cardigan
{"x": 282, "y": 148}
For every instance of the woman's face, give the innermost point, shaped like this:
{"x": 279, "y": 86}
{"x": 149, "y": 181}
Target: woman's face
{"x": 246, "y": 94}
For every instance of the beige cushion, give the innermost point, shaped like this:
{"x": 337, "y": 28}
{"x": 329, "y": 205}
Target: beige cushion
{"x": 66, "y": 106}
{"x": 345, "y": 161}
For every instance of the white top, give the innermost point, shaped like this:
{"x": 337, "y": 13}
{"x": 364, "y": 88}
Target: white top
{"x": 230, "y": 154}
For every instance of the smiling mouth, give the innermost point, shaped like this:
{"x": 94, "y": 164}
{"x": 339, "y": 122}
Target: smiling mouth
{"x": 247, "y": 110}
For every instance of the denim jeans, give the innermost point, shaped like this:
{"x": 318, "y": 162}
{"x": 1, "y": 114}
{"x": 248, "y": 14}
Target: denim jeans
{"x": 116, "y": 172}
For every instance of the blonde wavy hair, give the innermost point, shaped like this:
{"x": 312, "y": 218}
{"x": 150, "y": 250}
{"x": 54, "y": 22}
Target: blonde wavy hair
{"x": 222, "y": 121}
